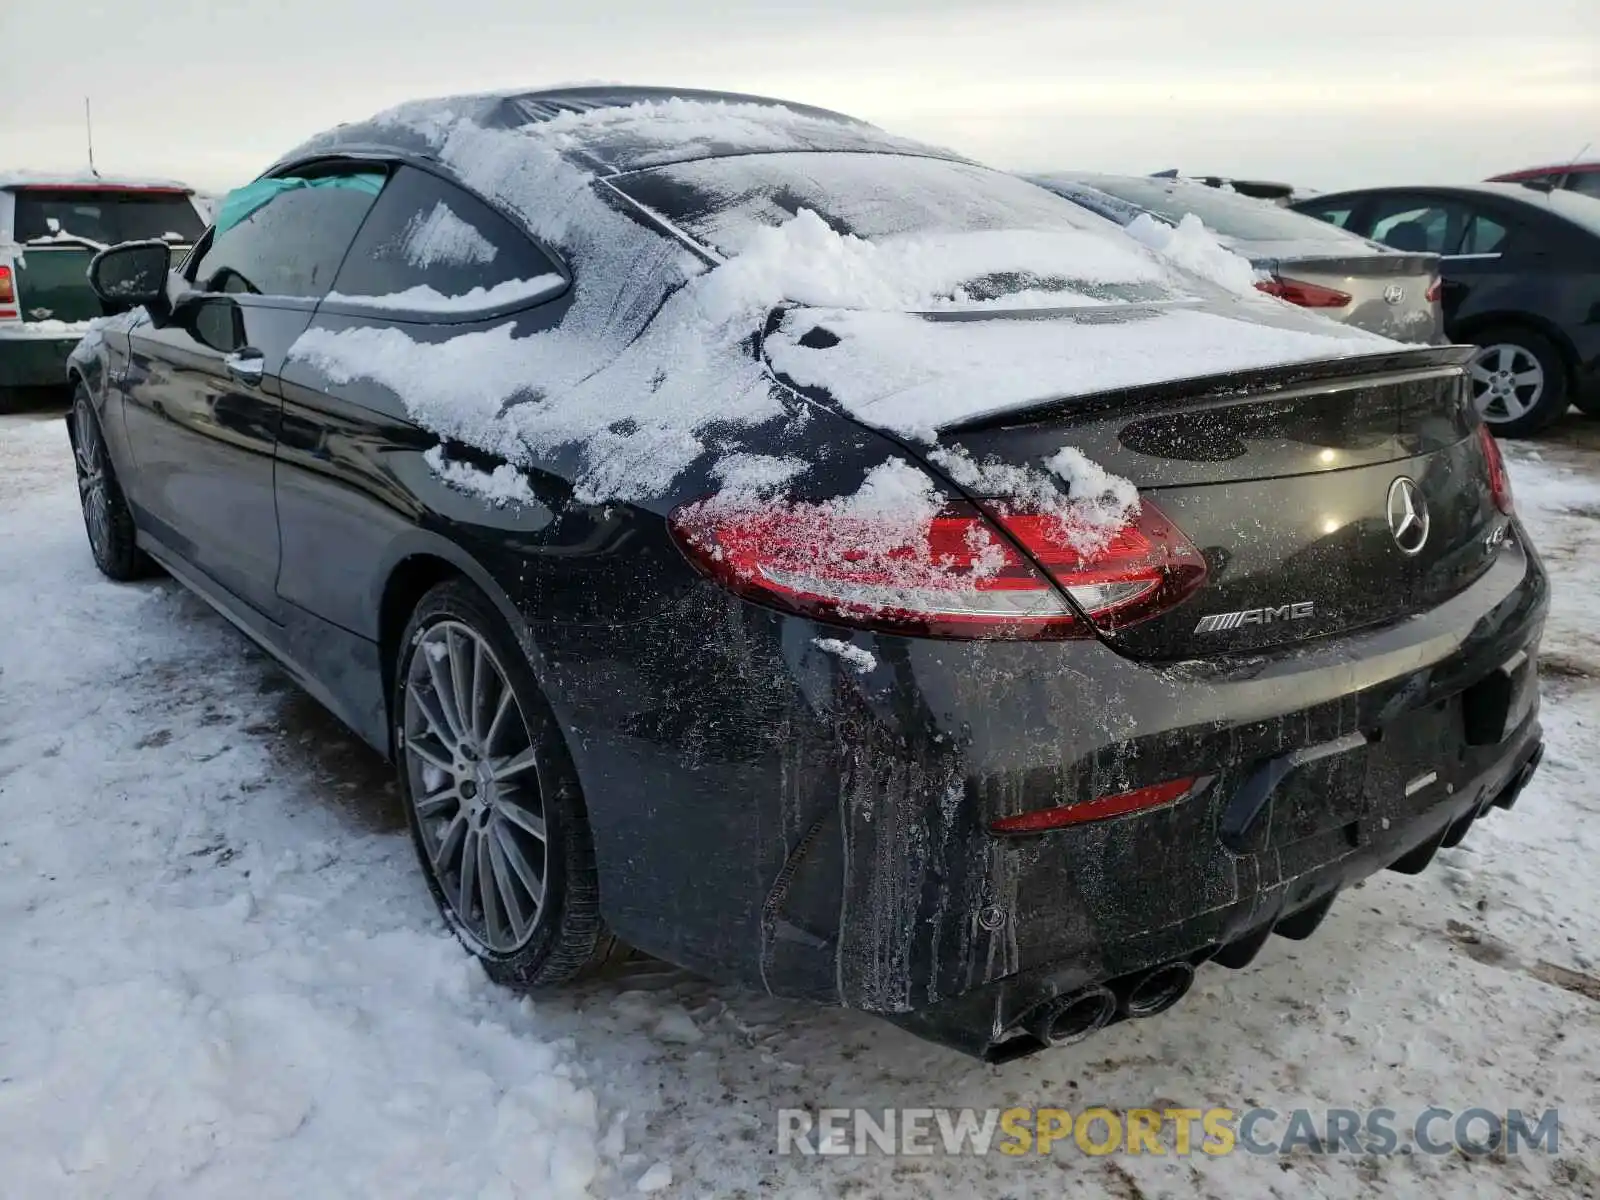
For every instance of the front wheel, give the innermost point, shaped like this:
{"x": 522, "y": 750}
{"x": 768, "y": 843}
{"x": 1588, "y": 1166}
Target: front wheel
{"x": 106, "y": 517}
{"x": 491, "y": 795}
{"x": 1519, "y": 381}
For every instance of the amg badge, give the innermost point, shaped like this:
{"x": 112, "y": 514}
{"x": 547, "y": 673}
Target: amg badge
{"x": 1222, "y": 622}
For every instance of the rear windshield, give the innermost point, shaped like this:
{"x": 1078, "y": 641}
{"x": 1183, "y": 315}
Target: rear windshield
{"x": 893, "y": 198}
{"x": 104, "y": 216}
{"x": 1226, "y": 213}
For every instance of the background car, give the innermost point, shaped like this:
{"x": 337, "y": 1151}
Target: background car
{"x": 769, "y": 541}
{"x": 1580, "y": 177}
{"x": 50, "y": 227}
{"x": 1521, "y": 271}
{"x": 1260, "y": 189}
{"x": 1339, "y": 275}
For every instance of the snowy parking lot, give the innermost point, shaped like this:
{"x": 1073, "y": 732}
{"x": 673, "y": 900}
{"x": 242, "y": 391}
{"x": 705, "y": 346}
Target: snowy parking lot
{"x": 221, "y": 973}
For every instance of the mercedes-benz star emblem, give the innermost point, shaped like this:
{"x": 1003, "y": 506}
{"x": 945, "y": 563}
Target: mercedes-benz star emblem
{"x": 1408, "y": 515}
{"x": 1394, "y": 293}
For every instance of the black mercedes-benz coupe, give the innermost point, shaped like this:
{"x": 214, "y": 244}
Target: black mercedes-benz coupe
{"x": 816, "y": 559}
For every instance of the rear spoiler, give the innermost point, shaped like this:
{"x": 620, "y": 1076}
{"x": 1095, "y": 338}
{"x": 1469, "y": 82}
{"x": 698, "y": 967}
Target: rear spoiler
{"x": 1421, "y": 360}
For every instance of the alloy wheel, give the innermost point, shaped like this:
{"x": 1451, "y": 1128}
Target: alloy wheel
{"x": 474, "y": 786}
{"x": 1507, "y": 382}
{"x": 89, "y": 459}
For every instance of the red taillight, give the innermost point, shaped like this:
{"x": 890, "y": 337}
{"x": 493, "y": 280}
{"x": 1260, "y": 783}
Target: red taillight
{"x": 1499, "y": 477}
{"x": 950, "y": 575}
{"x": 1306, "y": 295}
{"x": 1144, "y": 568}
{"x": 8, "y": 292}
{"x": 1435, "y": 290}
{"x": 1096, "y": 810}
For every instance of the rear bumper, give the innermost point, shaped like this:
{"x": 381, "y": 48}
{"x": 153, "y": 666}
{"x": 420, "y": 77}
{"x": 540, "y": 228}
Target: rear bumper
{"x": 32, "y": 358}
{"x": 765, "y": 814}
{"x": 989, "y": 1021}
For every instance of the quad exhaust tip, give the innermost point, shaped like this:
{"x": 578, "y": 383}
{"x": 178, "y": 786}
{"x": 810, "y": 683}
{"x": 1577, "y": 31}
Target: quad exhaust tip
{"x": 1158, "y": 989}
{"x": 1063, "y": 1022}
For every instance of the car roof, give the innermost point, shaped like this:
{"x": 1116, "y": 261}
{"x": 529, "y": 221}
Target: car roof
{"x": 1552, "y": 169}
{"x": 1572, "y": 209}
{"x": 1571, "y": 206}
{"x": 12, "y": 180}
{"x": 613, "y": 129}
{"x": 1516, "y": 193}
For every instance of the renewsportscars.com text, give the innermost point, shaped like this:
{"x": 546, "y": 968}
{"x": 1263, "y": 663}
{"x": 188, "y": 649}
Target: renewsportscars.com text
{"x": 1166, "y": 1131}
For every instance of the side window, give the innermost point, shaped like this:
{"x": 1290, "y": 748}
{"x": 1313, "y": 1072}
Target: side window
{"x": 428, "y": 243}
{"x": 286, "y": 236}
{"x": 1337, "y": 214}
{"x": 1407, "y": 223}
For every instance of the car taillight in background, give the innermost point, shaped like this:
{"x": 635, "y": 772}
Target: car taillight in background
{"x": 1306, "y": 295}
{"x": 8, "y": 294}
{"x": 951, "y": 576}
{"x": 1499, "y": 477}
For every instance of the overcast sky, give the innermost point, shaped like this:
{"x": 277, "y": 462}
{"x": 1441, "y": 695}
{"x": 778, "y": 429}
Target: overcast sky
{"x": 1322, "y": 95}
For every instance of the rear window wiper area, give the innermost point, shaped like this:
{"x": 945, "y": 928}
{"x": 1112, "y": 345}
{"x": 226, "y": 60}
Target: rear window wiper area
{"x": 62, "y": 237}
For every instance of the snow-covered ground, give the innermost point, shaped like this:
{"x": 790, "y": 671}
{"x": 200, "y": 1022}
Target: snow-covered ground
{"x": 221, "y": 973}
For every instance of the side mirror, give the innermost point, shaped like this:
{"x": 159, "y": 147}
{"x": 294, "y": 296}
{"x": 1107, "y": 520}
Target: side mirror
{"x": 131, "y": 274}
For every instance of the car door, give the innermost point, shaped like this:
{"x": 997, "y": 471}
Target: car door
{"x": 1491, "y": 256}
{"x": 431, "y": 263}
{"x": 1472, "y": 239}
{"x": 202, "y": 394}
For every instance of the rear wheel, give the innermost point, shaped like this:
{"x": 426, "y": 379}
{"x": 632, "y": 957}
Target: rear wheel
{"x": 491, "y": 796}
{"x": 1519, "y": 381}
{"x": 106, "y": 517}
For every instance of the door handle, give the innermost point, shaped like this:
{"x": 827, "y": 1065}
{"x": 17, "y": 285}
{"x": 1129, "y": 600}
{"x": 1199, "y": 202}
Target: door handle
{"x": 247, "y": 365}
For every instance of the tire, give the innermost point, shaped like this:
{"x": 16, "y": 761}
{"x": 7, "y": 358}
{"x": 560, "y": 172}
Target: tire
{"x": 106, "y": 517}
{"x": 1519, "y": 380}
{"x": 487, "y": 781}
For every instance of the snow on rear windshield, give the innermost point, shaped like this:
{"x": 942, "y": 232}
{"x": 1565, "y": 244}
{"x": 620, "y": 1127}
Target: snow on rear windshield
{"x": 968, "y": 233}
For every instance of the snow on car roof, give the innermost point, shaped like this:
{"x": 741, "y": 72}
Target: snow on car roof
{"x": 612, "y": 130}
{"x": 649, "y": 370}
{"x": 12, "y": 179}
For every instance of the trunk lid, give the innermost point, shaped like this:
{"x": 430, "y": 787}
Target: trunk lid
{"x": 1388, "y": 292}
{"x": 1284, "y": 480}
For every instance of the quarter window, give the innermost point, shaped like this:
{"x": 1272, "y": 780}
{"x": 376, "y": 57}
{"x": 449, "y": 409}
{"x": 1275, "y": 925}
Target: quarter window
{"x": 287, "y": 241}
{"x": 429, "y": 245}
{"x": 1338, "y": 214}
{"x": 1483, "y": 236}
